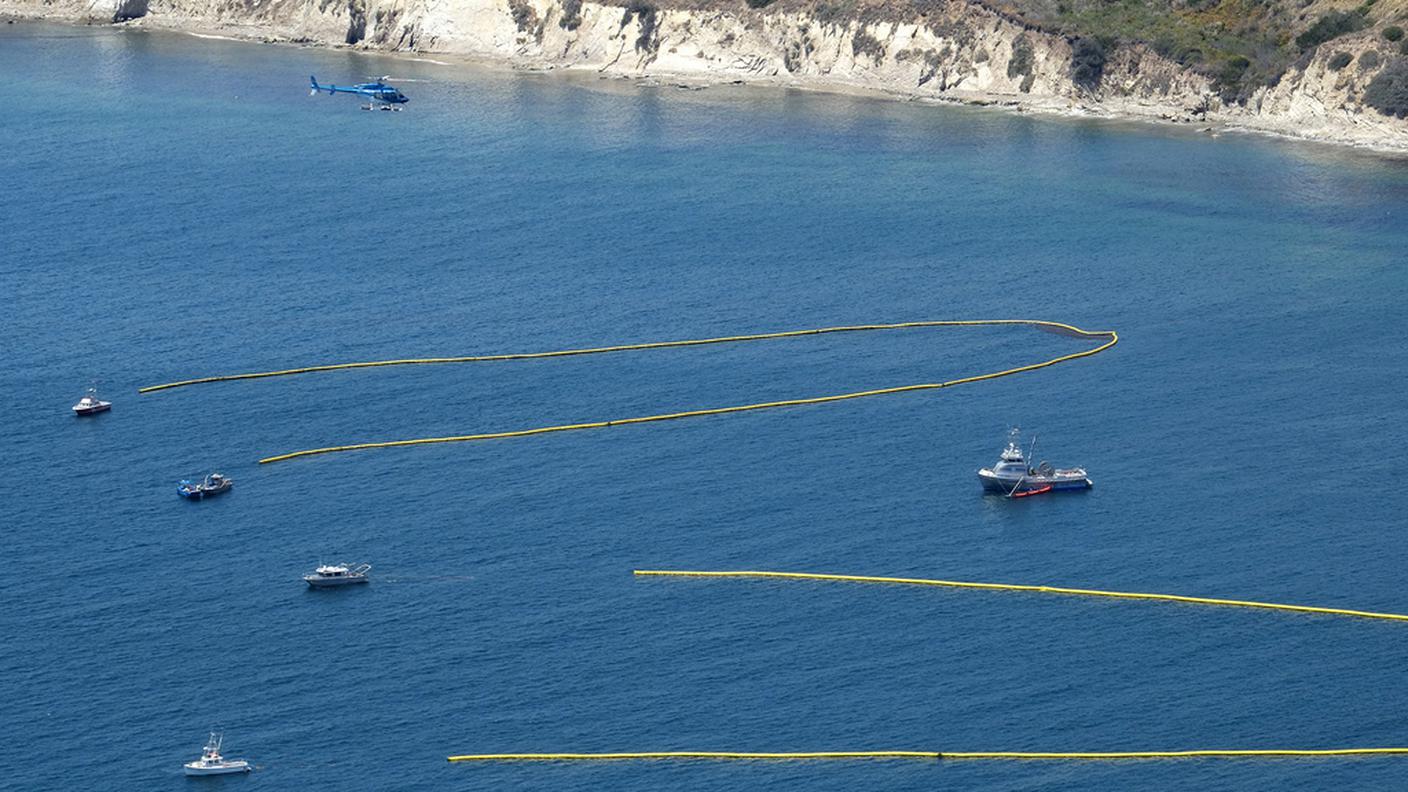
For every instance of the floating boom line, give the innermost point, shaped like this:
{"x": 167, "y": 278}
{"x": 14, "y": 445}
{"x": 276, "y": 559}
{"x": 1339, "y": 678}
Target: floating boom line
{"x": 1213, "y": 753}
{"x": 1025, "y": 587}
{"x": 1057, "y": 327}
{"x": 1108, "y": 337}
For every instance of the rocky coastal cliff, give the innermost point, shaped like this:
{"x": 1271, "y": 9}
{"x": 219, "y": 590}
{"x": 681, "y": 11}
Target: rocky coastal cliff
{"x": 958, "y": 50}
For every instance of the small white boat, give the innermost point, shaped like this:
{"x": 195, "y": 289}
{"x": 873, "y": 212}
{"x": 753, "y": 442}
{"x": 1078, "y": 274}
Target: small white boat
{"x": 330, "y": 575}
{"x": 212, "y": 763}
{"x": 90, "y": 404}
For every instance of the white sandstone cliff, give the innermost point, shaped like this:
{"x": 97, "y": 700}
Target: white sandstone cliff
{"x": 959, "y": 51}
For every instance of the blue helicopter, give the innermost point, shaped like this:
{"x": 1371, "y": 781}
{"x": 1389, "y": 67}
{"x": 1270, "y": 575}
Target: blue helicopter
{"x": 377, "y": 93}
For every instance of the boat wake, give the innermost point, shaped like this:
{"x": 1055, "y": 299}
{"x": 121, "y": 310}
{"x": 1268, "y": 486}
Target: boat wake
{"x": 431, "y": 579}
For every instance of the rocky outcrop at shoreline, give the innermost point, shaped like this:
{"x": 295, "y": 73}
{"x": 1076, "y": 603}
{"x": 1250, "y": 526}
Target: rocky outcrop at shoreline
{"x": 955, "y": 50}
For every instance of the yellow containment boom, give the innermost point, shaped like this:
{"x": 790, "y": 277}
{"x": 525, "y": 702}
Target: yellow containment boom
{"x": 1057, "y": 327}
{"x": 1109, "y": 338}
{"x": 936, "y": 755}
{"x": 1025, "y": 587}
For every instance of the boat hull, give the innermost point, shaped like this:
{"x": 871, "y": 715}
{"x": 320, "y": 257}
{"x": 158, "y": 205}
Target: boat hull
{"x": 1005, "y": 486}
{"x": 199, "y": 493}
{"x": 317, "y": 582}
{"x": 94, "y": 410}
{"x": 224, "y": 768}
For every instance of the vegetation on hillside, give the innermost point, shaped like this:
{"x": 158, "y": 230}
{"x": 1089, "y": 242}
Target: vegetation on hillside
{"x": 571, "y": 15}
{"x": 649, "y": 15}
{"x": 1240, "y": 44}
{"x": 1087, "y": 62}
{"x": 1388, "y": 91}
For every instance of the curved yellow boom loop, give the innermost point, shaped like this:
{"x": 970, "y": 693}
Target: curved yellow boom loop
{"x": 1109, "y": 337}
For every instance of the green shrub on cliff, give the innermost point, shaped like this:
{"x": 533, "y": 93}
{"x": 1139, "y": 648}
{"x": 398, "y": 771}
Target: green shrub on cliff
{"x": 1229, "y": 76}
{"x": 1087, "y": 62}
{"x": 862, "y": 43}
{"x": 1022, "y": 57}
{"x": 835, "y": 12}
{"x": 1331, "y": 26}
{"x": 1393, "y": 32}
{"x": 1339, "y": 60}
{"x": 525, "y": 18}
{"x": 571, "y": 15}
{"x": 648, "y": 14}
{"x": 1388, "y": 91}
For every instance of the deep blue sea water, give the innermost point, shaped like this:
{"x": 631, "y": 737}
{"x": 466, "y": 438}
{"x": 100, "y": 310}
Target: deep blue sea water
{"x": 175, "y": 207}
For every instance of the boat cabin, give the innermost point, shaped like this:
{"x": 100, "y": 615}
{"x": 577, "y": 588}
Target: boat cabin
{"x": 1012, "y": 462}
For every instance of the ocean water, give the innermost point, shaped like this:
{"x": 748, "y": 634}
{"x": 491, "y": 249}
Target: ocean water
{"x": 177, "y": 207}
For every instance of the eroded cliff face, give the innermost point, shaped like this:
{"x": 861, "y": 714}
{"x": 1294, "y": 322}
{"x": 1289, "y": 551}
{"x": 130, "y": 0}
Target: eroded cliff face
{"x": 957, "y": 51}
{"x": 1317, "y": 100}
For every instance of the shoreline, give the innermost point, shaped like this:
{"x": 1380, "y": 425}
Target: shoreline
{"x": 1158, "y": 116}
{"x": 1118, "y": 112}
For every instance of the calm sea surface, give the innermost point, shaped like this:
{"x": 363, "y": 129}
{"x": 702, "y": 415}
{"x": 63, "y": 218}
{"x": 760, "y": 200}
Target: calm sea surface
{"x": 176, "y": 207}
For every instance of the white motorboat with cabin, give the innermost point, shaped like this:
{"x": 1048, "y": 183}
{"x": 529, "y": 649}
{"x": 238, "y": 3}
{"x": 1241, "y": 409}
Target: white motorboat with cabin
{"x": 212, "y": 763}
{"x": 332, "y": 575}
{"x": 213, "y": 484}
{"x": 1013, "y": 477}
{"x": 90, "y": 404}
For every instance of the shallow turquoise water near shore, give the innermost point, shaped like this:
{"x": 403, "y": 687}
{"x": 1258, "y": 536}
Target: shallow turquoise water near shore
{"x": 177, "y": 207}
